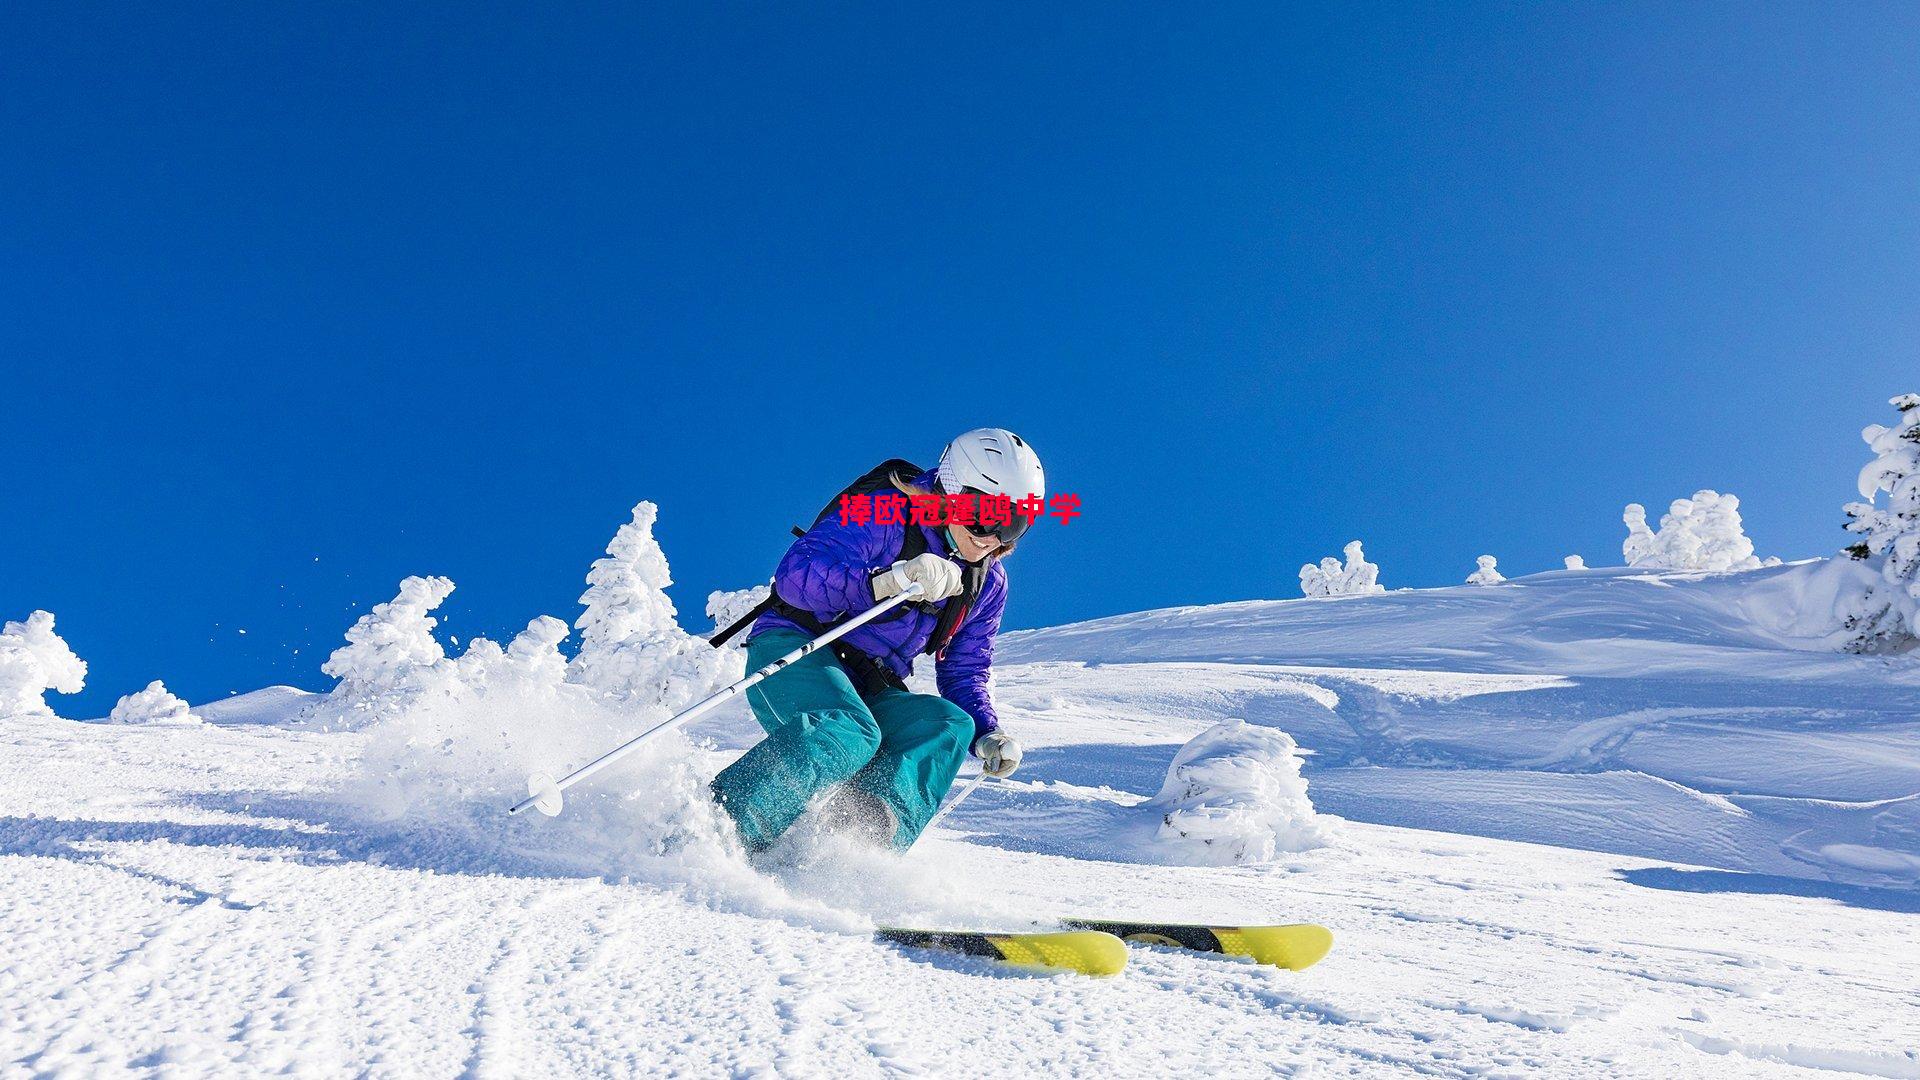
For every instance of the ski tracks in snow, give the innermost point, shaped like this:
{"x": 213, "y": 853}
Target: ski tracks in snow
{"x": 105, "y": 992}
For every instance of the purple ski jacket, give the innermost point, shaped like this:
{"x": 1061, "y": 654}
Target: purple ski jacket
{"x": 828, "y": 572}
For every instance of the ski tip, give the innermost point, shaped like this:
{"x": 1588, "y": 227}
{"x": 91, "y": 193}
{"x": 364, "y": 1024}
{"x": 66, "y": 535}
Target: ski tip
{"x": 1292, "y": 947}
{"x": 1089, "y": 952}
{"x": 544, "y": 793}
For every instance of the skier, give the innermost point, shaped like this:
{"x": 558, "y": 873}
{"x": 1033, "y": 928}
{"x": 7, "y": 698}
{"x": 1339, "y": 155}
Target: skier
{"x": 844, "y": 717}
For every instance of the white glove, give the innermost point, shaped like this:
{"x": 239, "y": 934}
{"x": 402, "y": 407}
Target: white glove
{"x": 999, "y": 754}
{"x": 938, "y": 578}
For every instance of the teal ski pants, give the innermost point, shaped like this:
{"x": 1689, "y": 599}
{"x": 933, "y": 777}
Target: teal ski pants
{"x": 903, "y": 749}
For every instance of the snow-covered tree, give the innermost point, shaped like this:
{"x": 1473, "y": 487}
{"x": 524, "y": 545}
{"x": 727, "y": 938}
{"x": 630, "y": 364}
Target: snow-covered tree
{"x": 627, "y": 590}
{"x": 392, "y": 659}
{"x": 1701, "y": 533}
{"x": 630, "y": 642}
{"x": 154, "y": 705}
{"x": 1357, "y": 577}
{"x": 531, "y": 659}
{"x": 535, "y": 651}
{"x": 1640, "y": 545}
{"x": 388, "y": 647}
{"x": 725, "y": 607}
{"x": 1887, "y": 616}
{"x": 1575, "y": 562}
{"x": 1486, "y": 574}
{"x": 33, "y": 660}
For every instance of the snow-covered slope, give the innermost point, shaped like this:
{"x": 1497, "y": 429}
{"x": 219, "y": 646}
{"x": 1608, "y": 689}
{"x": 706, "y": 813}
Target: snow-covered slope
{"x": 1658, "y": 715}
{"x": 1588, "y": 824}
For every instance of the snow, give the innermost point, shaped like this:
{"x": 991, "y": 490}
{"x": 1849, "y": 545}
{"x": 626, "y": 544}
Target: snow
{"x": 268, "y": 705}
{"x": 1575, "y": 562}
{"x": 1701, "y": 533}
{"x": 154, "y": 705}
{"x": 1234, "y": 795}
{"x": 389, "y": 644}
{"x": 33, "y": 660}
{"x": 1881, "y": 613}
{"x": 1673, "y": 716}
{"x": 631, "y": 644}
{"x": 726, "y": 607}
{"x": 1614, "y": 823}
{"x": 1356, "y": 577}
{"x": 224, "y": 924}
{"x": 1485, "y": 572}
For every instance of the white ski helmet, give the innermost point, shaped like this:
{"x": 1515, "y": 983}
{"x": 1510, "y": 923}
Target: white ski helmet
{"x": 992, "y": 461}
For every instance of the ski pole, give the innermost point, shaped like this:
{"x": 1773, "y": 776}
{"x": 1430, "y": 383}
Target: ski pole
{"x": 956, "y": 800}
{"x": 543, "y": 791}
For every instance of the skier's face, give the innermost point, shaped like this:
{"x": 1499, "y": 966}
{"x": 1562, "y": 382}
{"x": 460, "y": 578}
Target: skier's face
{"x": 969, "y": 547}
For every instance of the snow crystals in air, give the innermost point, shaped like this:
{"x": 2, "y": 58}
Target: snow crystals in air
{"x": 1357, "y": 577}
{"x": 33, "y": 660}
{"x": 1234, "y": 794}
{"x": 1486, "y": 574}
{"x": 450, "y": 742}
{"x": 453, "y": 739}
{"x": 154, "y": 705}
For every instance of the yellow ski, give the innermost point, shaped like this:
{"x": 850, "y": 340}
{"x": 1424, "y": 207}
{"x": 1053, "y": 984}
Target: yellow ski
{"x": 1292, "y": 947}
{"x": 1088, "y": 952}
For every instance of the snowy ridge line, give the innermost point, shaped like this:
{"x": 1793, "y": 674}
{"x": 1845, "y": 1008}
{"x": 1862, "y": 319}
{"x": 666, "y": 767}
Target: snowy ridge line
{"x": 1757, "y": 624}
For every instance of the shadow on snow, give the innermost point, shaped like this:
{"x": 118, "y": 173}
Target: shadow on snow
{"x": 1730, "y": 881}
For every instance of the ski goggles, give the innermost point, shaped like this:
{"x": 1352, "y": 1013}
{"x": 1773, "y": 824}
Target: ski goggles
{"x": 1006, "y": 532}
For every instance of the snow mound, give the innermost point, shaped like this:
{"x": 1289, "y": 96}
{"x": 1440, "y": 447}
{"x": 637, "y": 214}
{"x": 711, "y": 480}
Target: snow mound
{"x": 1575, "y": 562}
{"x": 154, "y": 705}
{"x": 532, "y": 658}
{"x": 276, "y": 705}
{"x": 1234, "y": 794}
{"x": 33, "y": 660}
{"x": 1701, "y": 533}
{"x": 1357, "y": 577}
{"x": 1486, "y": 574}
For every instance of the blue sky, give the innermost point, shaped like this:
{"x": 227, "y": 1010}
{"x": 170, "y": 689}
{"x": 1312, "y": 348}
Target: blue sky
{"x": 298, "y": 300}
